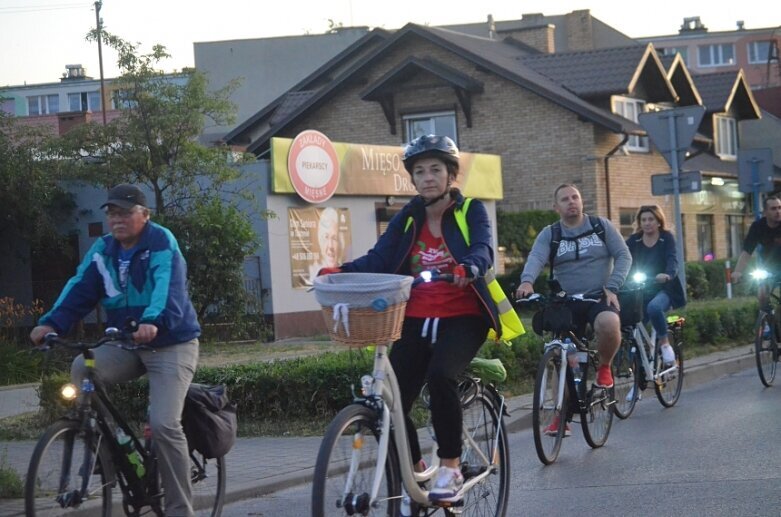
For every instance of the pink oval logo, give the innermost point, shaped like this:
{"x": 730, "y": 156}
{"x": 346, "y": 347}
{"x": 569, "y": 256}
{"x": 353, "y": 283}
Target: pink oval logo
{"x": 313, "y": 166}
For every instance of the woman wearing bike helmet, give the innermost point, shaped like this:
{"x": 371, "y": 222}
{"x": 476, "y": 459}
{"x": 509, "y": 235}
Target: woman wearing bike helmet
{"x": 445, "y": 323}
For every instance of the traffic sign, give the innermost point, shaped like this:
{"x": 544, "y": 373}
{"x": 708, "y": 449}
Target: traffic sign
{"x": 689, "y": 181}
{"x": 657, "y": 124}
{"x": 755, "y": 170}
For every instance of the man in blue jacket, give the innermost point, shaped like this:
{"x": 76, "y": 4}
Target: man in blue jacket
{"x": 137, "y": 271}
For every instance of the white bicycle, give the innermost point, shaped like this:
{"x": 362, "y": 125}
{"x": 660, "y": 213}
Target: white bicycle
{"x": 365, "y": 458}
{"x": 638, "y": 362}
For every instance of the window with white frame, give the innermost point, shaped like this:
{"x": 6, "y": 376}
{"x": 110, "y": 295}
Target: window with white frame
{"x": 434, "y": 123}
{"x": 84, "y": 101}
{"x": 671, "y": 51}
{"x": 43, "y": 104}
{"x": 760, "y": 52}
{"x": 719, "y": 54}
{"x": 726, "y": 137}
{"x": 630, "y": 109}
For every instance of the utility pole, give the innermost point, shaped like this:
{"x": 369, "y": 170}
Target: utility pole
{"x": 99, "y": 21}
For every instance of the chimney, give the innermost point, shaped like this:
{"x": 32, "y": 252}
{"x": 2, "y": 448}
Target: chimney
{"x": 539, "y": 37}
{"x": 692, "y": 24}
{"x": 740, "y": 24}
{"x": 74, "y": 73}
{"x": 491, "y": 27}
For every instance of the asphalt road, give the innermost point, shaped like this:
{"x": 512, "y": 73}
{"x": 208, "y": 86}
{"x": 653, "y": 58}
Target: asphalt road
{"x": 716, "y": 453}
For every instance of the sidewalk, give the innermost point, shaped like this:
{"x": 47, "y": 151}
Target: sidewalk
{"x": 258, "y": 466}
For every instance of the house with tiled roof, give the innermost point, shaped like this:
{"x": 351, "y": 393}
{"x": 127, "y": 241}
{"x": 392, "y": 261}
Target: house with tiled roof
{"x": 550, "y": 118}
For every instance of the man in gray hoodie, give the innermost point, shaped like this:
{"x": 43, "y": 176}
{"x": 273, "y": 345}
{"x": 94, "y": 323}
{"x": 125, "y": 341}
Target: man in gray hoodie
{"x": 589, "y": 261}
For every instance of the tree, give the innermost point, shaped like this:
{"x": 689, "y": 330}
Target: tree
{"x": 31, "y": 199}
{"x": 196, "y": 188}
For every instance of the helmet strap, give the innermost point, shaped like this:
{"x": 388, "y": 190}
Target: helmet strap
{"x": 438, "y": 198}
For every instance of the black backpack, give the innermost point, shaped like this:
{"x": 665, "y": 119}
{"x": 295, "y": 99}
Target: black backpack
{"x": 209, "y": 420}
{"x": 556, "y": 238}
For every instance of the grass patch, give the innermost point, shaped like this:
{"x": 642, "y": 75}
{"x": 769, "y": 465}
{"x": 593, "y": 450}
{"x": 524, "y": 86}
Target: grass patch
{"x": 11, "y": 485}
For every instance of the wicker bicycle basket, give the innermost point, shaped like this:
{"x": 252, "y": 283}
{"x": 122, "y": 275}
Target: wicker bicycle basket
{"x": 363, "y": 309}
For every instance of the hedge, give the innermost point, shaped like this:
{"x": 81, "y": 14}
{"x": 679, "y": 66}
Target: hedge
{"x": 316, "y": 387}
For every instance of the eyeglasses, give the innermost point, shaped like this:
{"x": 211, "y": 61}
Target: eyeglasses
{"x": 120, "y": 213}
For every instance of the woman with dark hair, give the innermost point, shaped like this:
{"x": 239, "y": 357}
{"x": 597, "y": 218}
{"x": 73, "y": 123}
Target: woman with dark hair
{"x": 445, "y": 323}
{"x": 653, "y": 253}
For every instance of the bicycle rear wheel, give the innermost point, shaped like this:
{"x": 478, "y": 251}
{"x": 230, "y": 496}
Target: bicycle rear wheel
{"x": 668, "y": 386}
{"x": 344, "y": 471}
{"x": 485, "y": 448}
{"x": 548, "y": 421}
{"x": 766, "y": 348}
{"x": 208, "y": 479}
{"x": 65, "y": 473}
{"x": 626, "y": 366}
{"x": 596, "y": 411}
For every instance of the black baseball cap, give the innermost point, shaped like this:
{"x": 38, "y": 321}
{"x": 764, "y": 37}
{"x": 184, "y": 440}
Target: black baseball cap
{"x": 125, "y": 196}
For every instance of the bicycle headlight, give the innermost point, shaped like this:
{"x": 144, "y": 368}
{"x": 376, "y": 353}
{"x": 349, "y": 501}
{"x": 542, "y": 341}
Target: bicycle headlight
{"x": 426, "y": 276}
{"x": 68, "y": 392}
{"x": 639, "y": 277}
{"x": 760, "y": 274}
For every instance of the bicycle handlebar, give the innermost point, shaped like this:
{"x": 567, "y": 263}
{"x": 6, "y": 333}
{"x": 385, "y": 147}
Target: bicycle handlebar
{"x": 122, "y": 338}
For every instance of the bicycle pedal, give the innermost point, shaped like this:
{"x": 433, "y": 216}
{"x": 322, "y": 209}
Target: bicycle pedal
{"x": 453, "y": 506}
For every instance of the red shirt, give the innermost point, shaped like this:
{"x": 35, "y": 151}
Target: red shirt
{"x": 437, "y": 299}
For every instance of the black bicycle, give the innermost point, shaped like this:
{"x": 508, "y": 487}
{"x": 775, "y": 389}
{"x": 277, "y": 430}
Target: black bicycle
{"x": 565, "y": 382}
{"x": 84, "y": 455}
{"x": 767, "y": 331}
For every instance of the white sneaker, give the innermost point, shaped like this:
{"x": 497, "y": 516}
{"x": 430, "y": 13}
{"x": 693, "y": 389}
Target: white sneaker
{"x": 632, "y": 394}
{"x": 449, "y": 483}
{"x": 668, "y": 355}
{"x": 406, "y": 504}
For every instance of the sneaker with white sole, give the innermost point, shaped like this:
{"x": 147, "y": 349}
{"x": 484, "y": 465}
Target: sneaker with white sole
{"x": 668, "y": 355}
{"x": 632, "y": 394}
{"x": 406, "y": 504}
{"x": 447, "y": 486}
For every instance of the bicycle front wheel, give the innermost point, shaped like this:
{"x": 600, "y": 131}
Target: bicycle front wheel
{"x": 668, "y": 385}
{"x": 346, "y": 462}
{"x": 765, "y": 348}
{"x": 596, "y": 411}
{"x": 68, "y": 470}
{"x": 485, "y": 449}
{"x": 548, "y": 419}
{"x": 626, "y": 366}
{"x": 208, "y": 480}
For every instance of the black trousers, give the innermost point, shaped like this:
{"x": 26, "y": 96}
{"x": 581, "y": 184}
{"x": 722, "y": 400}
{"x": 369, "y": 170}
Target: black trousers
{"x": 416, "y": 361}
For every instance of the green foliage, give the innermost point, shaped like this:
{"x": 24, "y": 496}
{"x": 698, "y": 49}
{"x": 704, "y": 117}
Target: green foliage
{"x": 11, "y": 485}
{"x": 516, "y": 231}
{"x": 215, "y": 262}
{"x": 315, "y": 388}
{"x": 155, "y": 143}
{"x": 20, "y": 364}
{"x": 32, "y": 200}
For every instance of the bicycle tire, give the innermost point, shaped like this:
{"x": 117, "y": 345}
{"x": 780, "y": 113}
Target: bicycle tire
{"x": 354, "y": 428}
{"x": 626, "y": 367}
{"x": 596, "y": 411}
{"x": 668, "y": 386}
{"x": 544, "y": 410}
{"x": 208, "y": 477}
{"x": 65, "y": 446}
{"x": 765, "y": 349}
{"x": 482, "y": 420}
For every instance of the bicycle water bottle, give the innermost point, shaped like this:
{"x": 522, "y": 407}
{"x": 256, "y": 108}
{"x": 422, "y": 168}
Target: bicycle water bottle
{"x": 132, "y": 454}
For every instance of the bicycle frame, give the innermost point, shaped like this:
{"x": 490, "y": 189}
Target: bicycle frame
{"x": 643, "y": 339}
{"x": 382, "y": 394}
{"x": 94, "y": 402}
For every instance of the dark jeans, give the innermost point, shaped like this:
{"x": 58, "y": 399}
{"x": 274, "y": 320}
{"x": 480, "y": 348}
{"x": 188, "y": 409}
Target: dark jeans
{"x": 416, "y": 361}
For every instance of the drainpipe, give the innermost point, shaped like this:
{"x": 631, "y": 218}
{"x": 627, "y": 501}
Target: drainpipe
{"x": 607, "y": 172}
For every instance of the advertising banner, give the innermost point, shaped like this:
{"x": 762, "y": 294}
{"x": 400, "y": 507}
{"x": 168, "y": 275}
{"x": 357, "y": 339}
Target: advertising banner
{"x": 319, "y": 237}
{"x": 372, "y": 170}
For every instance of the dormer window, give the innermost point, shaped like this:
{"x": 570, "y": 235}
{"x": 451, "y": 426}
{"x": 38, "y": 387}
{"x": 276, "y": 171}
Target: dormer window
{"x": 630, "y": 109}
{"x": 726, "y": 137}
{"x": 441, "y": 123}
